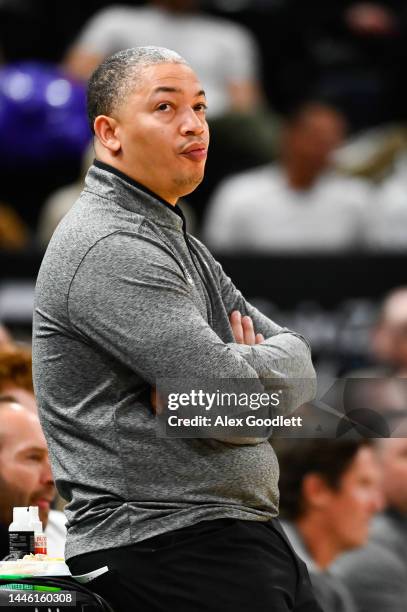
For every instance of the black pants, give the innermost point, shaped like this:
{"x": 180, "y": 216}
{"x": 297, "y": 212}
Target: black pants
{"x": 223, "y": 565}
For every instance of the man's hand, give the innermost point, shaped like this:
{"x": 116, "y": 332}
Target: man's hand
{"x": 243, "y": 330}
{"x": 157, "y": 402}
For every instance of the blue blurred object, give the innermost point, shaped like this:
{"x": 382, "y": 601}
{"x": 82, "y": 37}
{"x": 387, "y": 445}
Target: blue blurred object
{"x": 42, "y": 115}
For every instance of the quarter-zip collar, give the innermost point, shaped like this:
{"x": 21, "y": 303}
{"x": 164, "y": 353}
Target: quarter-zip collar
{"x": 112, "y": 184}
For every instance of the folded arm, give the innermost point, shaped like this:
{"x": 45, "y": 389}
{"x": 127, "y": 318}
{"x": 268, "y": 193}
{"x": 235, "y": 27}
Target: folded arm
{"x": 284, "y": 355}
{"x": 131, "y": 298}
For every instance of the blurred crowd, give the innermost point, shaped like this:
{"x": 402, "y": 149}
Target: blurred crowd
{"x": 343, "y": 499}
{"x": 308, "y": 115}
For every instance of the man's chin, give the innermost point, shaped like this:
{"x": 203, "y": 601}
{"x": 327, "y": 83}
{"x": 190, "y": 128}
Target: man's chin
{"x": 188, "y": 185}
{"x": 358, "y": 541}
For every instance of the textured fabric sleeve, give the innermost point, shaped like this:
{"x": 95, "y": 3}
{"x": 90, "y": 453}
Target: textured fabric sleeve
{"x": 284, "y": 355}
{"x": 129, "y": 298}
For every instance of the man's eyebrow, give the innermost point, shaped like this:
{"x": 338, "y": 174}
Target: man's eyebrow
{"x": 165, "y": 89}
{"x": 32, "y": 449}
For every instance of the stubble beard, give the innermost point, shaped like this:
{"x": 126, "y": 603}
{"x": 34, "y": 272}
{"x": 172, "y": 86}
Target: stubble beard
{"x": 189, "y": 183}
{"x": 9, "y": 499}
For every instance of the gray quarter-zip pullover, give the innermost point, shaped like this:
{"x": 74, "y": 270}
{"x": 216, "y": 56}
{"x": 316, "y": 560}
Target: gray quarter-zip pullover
{"x": 124, "y": 297}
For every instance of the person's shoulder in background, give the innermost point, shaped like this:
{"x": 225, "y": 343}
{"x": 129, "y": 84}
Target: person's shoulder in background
{"x": 237, "y": 198}
{"x": 348, "y": 189}
{"x": 375, "y": 576}
{"x": 330, "y": 591}
{"x": 386, "y": 222}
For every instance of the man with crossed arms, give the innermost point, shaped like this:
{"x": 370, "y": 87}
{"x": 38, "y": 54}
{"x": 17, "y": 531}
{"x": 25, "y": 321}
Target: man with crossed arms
{"x": 126, "y": 297}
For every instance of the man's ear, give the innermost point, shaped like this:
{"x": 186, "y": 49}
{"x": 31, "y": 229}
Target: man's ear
{"x": 106, "y": 132}
{"x": 316, "y": 492}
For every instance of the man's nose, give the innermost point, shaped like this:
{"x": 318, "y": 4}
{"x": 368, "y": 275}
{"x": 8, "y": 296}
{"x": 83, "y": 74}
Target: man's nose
{"x": 191, "y": 123}
{"x": 46, "y": 473}
{"x": 377, "y": 501}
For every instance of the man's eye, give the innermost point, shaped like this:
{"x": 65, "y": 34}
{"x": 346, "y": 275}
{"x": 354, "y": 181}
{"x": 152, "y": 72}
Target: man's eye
{"x": 201, "y": 107}
{"x": 163, "y": 107}
{"x": 34, "y": 457}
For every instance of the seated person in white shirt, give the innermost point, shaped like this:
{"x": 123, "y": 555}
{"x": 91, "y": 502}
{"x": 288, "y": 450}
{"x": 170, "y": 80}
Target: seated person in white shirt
{"x": 299, "y": 204}
{"x": 223, "y": 53}
{"x": 386, "y": 221}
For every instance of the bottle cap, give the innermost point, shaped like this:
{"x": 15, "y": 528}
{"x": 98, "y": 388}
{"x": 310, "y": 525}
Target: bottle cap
{"x": 20, "y": 514}
{"x": 33, "y": 511}
{"x": 35, "y": 519}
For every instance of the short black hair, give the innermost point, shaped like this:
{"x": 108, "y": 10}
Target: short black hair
{"x": 330, "y": 459}
{"x": 117, "y": 76}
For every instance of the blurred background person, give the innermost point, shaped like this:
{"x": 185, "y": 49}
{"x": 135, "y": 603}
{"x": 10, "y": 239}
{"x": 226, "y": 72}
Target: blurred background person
{"x": 376, "y": 575}
{"x": 389, "y": 337}
{"x": 375, "y": 395}
{"x": 386, "y": 223}
{"x": 381, "y": 384}
{"x": 297, "y": 205}
{"x": 25, "y": 474}
{"x": 329, "y": 491}
{"x": 390, "y": 527}
{"x": 223, "y": 53}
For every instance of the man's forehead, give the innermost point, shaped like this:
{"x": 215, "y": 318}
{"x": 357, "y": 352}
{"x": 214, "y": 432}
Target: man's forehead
{"x": 19, "y": 424}
{"x": 396, "y": 446}
{"x": 179, "y": 77}
{"x": 364, "y": 458}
